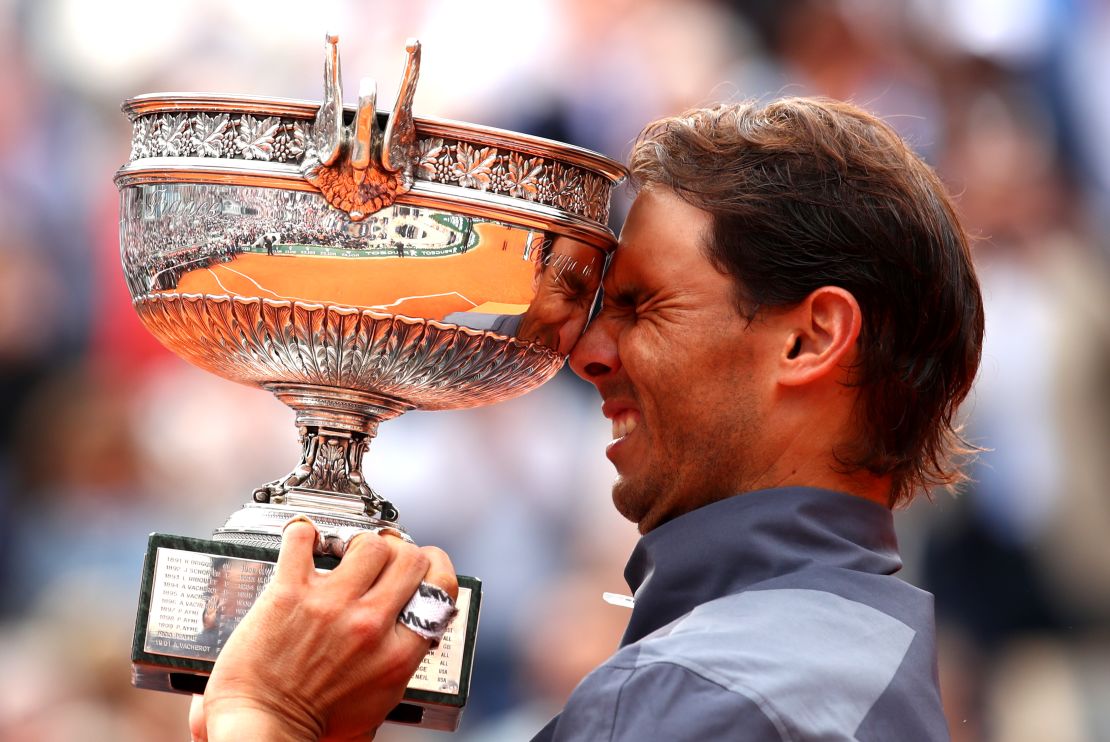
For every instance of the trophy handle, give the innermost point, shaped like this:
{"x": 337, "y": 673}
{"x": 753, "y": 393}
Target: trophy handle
{"x": 349, "y": 166}
{"x": 366, "y": 138}
{"x": 399, "y": 152}
{"x": 329, "y": 139}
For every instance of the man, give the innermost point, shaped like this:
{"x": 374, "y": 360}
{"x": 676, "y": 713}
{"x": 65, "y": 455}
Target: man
{"x": 789, "y": 325}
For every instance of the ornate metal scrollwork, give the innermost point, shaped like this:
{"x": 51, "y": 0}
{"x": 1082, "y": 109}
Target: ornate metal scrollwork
{"x": 357, "y": 169}
{"x": 331, "y": 463}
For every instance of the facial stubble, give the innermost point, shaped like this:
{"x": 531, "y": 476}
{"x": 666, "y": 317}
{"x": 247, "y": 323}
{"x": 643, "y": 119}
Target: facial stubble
{"x": 691, "y": 466}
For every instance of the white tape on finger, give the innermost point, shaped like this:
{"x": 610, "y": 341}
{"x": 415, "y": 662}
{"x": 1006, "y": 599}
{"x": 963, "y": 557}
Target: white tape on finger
{"x": 429, "y": 612}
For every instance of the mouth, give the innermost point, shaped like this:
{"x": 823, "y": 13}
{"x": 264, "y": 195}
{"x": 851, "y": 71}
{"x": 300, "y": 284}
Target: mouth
{"x": 624, "y": 422}
{"x": 625, "y": 419}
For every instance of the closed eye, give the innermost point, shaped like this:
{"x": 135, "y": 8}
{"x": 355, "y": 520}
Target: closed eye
{"x": 622, "y": 299}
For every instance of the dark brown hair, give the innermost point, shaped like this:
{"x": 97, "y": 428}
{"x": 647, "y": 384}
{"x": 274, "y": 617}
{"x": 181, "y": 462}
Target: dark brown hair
{"x": 806, "y": 193}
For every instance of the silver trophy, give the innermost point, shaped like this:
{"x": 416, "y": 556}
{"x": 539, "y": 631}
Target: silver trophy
{"x": 357, "y": 265}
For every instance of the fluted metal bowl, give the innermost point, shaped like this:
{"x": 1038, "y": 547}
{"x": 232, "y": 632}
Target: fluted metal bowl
{"x": 469, "y": 288}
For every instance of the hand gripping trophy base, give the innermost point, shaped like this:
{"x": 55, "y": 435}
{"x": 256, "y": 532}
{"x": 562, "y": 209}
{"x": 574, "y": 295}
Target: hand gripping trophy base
{"x": 336, "y": 426}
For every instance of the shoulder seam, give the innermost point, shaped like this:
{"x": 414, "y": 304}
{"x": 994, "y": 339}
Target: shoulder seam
{"x": 763, "y": 705}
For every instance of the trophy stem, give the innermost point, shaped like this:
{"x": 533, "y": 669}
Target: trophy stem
{"x": 335, "y": 426}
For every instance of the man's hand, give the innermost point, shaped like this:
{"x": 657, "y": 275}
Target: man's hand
{"x": 321, "y": 654}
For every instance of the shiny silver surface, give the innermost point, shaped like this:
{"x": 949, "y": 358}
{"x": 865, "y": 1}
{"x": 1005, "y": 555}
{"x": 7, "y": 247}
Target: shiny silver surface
{"x": 356, "y": 264}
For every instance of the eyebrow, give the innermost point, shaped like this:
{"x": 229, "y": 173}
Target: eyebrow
{"x": 621, "y": 290}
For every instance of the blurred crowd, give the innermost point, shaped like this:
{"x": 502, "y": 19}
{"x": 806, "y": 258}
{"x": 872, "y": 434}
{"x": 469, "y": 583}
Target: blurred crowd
{"x": 105, "y": 437}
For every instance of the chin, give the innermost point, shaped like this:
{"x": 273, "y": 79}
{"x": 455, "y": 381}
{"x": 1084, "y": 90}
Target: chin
{"x": 629, "y": 500}
{"x": 639, "y": 501}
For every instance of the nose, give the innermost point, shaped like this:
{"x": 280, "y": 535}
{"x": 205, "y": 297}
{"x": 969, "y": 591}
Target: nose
{"x": 595, "y": 354}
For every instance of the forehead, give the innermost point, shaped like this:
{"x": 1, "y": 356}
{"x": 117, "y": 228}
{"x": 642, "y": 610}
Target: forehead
{"x": 663, "y": 237}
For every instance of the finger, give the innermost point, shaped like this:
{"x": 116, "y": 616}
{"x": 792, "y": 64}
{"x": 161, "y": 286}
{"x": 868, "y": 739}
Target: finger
{"x": 198, "y": 731}
{"x": 441, "y": 572}
{"x": 366, "y": 556}
{"x": 294, "y": 564}
{"x": 400, "y": 578}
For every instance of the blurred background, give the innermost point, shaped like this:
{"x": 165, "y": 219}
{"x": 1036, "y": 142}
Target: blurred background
{"x": 105, "y": 437}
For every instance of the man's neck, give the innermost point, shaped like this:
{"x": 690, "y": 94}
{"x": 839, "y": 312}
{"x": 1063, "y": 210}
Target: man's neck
{"x": 860, "y": 483}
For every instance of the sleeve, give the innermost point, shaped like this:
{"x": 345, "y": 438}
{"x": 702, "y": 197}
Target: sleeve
{"x": 660, "y": 701}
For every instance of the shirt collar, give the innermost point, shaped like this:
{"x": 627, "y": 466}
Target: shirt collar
{"x": 729, "y": 545}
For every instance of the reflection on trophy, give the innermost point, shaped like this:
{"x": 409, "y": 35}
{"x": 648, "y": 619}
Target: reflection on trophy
{"x": 357, "y": 265}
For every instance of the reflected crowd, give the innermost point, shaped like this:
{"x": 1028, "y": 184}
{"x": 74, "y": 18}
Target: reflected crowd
{"x": 105, "y": 436}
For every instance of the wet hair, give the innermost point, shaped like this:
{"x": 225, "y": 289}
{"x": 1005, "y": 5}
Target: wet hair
{"x": 805, "y": 193}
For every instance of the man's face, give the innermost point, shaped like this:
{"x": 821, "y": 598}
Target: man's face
{"x": 682, "y": 375}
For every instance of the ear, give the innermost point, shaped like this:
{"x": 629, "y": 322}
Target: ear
{"x": 821, "y": 337}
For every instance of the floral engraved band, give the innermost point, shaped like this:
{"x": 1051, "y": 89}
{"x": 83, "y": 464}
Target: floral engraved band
{"x": 240, "y": 137}
{"x": 466, "y": 164}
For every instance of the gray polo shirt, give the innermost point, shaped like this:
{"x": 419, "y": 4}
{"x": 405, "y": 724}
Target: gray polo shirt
{"x": 772, "y": 615}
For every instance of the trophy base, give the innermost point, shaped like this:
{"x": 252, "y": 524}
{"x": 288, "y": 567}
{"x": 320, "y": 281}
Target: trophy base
{"x": 195, "y": 591}
{"x": 261, "y": 524}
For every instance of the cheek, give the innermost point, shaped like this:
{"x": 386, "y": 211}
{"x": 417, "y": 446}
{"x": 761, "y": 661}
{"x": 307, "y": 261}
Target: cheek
{"x": 656, "y": 350}
{"x": 644, "y": 364}
{"x": 710, "y": 387}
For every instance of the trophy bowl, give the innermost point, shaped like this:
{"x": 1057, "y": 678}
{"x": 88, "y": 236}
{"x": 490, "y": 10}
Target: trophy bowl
{"x": 357, "y": 264}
